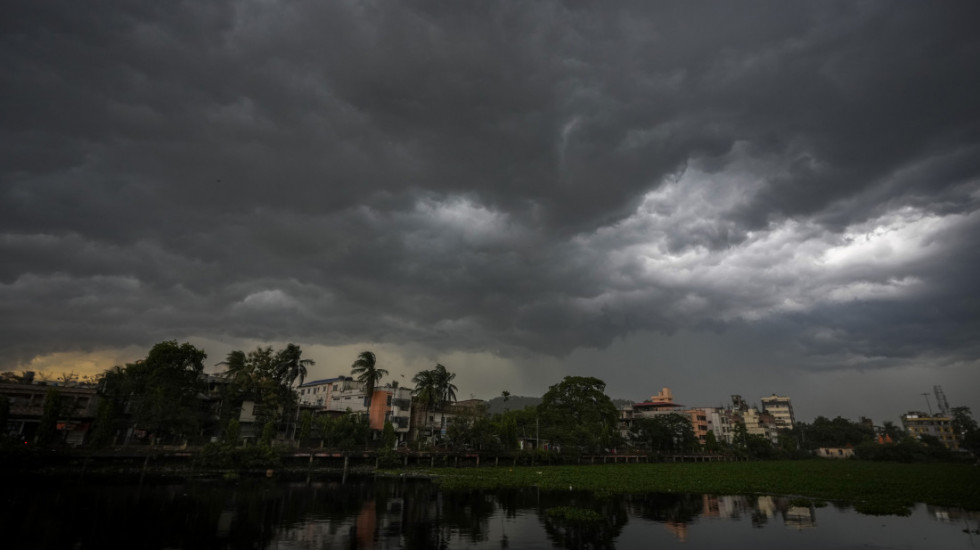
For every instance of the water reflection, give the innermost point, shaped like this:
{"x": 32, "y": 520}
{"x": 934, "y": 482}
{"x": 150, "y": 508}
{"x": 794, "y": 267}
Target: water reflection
{"x": 414, "y": 514}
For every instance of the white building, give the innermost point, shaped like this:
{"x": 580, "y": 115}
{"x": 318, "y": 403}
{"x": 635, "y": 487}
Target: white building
{"x": 781, "y": 410}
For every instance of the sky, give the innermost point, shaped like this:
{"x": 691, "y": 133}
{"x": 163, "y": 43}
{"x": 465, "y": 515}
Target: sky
{"x": 723, "y": 198}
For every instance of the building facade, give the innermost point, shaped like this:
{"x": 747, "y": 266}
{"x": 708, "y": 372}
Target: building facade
{"x": 781, "y": 409}
{"x": 918, "y": 424}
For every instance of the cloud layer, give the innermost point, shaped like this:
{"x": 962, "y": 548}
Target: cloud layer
{"x": 519, "y": 179}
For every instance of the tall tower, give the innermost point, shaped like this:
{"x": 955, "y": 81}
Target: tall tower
{"x": 941, "y": 400}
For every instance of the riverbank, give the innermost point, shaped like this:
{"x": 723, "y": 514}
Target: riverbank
{"x": 872, "y": 487}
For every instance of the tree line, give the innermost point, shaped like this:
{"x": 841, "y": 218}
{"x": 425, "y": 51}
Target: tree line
{"x": 165, "y": 398}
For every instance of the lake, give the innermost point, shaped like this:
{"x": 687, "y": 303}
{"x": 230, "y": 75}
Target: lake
{"x": 412, "y": 513}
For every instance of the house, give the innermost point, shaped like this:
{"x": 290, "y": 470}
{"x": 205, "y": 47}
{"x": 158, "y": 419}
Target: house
{"x": 79, "y": 404}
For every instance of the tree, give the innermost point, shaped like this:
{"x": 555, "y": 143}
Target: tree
{"x": 164, "y": 389}
{"x": 444, "y": 383}
{"x": 47, "y": 430}
{"x": 388, "y": 436}
{"x": 576, "y": 413}
{"x": 368, "y": 373}
{"x": 966, "y": 428}
{"x": 434, "y": 388}
{"x": 664, "y": 433}
{"x": 305, "y": 425}
{"x": 238, "y": 369}
{"x": 839, "y": 432}
{"x": 892, "y": 431}
{"x": 290, "y": 365}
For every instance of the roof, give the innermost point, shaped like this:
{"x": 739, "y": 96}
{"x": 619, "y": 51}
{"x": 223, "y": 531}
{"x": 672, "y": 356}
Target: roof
{"x": 318, "y": 382}
{"x": 657, "y": 404}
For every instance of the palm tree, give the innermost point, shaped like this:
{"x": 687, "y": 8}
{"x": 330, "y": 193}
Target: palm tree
{"x": 444, "y": 379}
{"x": 426, "y": 392}
{"x": 368, "y": 374}
{"x": 289, "y": 366}
{"x": 239, "y": 371}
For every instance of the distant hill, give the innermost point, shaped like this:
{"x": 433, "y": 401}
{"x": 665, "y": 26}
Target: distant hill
{"x": 516, "y": 403}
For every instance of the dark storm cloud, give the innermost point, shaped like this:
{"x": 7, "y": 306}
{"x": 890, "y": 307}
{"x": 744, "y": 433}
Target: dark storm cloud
{"x": 510, "y": 176}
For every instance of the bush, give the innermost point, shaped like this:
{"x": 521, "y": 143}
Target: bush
{"x": 221, "y": 456}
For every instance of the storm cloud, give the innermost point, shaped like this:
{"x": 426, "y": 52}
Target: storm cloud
{"x": 519, "y": 179}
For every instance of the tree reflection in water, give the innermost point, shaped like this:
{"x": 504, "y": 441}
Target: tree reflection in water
{"x": 396, "y": 513}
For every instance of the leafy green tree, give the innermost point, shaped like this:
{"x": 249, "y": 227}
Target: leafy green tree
{"x": 740, "y": 436}
{"x": 512, "y": 426}
{"x": 670, "y": 433}
{"x": 232, "y": 430}
{"x": 711, "y": 443}
{"x": 577, "y": 415}
{"x": 966, "y": 429}
{"x": 365, "y": 367}
{"x": 105, "y": 424}
{"x": 388, "y": 435}
{"x": 892, "y": 431}
{"x": 166, "y": 385}
{"x": 505, "y": 428}
{"x": 47, "y": 430}
{"x": 264, "y": 376}
{"x": 268, "y": 434}
{"x": 305, "y": 425}
{"x": 838, "y": 432}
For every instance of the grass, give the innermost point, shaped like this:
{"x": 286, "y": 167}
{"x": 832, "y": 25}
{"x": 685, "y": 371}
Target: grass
{"x": 872, "y": 487}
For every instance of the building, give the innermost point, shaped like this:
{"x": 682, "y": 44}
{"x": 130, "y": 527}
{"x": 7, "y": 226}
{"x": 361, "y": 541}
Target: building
{"x": 430, "y": 425}
{"x": 391, "y": 404}
{"x": 26, "y": 400}
{"x": 781, "y": 410}
{"x": 918, "y": 424}
{"x": 317, "y": 392}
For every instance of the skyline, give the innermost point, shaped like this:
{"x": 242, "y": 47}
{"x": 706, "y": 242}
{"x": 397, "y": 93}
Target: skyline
{"x": 710, "y": 198}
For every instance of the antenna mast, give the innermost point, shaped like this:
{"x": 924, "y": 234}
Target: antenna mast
{"x": 941, "y": 400}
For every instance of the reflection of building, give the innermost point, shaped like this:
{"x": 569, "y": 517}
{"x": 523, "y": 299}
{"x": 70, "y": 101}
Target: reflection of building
{"x": 918, "y": 424}
{"x": 799, "y": 517}
{"x": 678, "y": 528}
{"x": 835, "y": 452}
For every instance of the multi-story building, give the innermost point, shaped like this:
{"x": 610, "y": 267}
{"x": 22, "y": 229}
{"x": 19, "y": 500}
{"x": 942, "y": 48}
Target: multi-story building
{"x": 317, "y": 392}
{"x": 781, "y": 410}
{"x": 918, "y": 423}
{"x": 26, "y": 400}
{"x": 389, "y": 403}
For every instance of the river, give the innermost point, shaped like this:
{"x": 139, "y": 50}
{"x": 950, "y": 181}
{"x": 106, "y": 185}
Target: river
{"x": 382, "y": 513}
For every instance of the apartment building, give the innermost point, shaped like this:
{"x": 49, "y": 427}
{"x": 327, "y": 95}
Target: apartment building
{"x": 918, "y": 423}
{"x": 781, "y": 410}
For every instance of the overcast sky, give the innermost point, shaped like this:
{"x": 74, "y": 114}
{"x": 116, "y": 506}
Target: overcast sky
{"x": 736, "y": 197}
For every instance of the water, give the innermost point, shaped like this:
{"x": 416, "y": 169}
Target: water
{"x": 384, "y": 513}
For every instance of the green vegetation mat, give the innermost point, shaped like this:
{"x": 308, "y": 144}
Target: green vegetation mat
{"x": 872, "y": 487}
